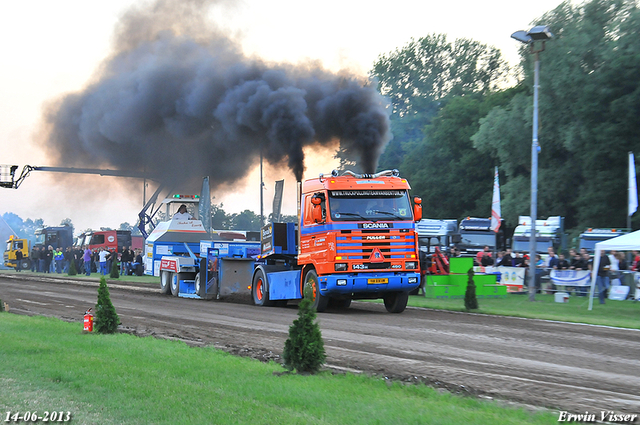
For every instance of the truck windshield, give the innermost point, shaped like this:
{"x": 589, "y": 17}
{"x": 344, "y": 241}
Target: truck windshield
{"x": 39, "y": 239}
{"x": 369, "y": 205}
{"x": 522, "y": 245}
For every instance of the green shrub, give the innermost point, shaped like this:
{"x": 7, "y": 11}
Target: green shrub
{"x": 115, "y": 272}
{"x": 470, "y": 299}
{"x": 304, "y": 350}
{"x": 72, "y": 268}
{"x": 106, "y": 318}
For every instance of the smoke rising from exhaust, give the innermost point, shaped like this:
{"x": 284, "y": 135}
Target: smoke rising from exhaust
{"x": 178, "y": 100}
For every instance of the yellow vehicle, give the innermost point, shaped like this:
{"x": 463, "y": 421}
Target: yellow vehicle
{"x": 15, "y": 244}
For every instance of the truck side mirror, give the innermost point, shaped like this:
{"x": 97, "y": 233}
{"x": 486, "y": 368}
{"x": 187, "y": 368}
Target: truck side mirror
{"x": 316, "y": 209}
{"x": 456, "y": 238}
{"x": 417, "y": 209}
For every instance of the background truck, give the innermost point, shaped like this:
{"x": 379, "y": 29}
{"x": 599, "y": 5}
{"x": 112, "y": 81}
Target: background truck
{"x": 57, "y": 237}
{"x": 549, "y": 234}
{"x": 434, "y": 233}
{"x": 355, "y": 239}
{"x": 591, "y": 236}
{"x": 112, "y": 239}
{"x": 15, "y": 244}
{"x": 476, "y": 233}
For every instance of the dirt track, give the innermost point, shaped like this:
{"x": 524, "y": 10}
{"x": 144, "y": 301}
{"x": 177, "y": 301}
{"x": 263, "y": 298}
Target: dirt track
{"x": 564, "y": 366}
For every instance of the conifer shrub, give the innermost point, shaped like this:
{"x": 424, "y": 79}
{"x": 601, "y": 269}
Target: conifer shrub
{"x": 304, "y": 350}
{"x": 106, "y": 319}
{"x": 470, "y": 300}
{"x": 115, "y": 272}
{"x": 72, "y": 268}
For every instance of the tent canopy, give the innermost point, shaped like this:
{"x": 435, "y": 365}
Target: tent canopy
{"x": 628, "y": 242}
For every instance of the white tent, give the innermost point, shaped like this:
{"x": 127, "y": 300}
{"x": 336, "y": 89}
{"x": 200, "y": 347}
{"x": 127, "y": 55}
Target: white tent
{"x": 626, "y": 242}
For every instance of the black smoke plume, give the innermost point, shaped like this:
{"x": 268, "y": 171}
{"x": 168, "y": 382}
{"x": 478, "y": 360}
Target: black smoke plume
{"x": 178, "y": 100}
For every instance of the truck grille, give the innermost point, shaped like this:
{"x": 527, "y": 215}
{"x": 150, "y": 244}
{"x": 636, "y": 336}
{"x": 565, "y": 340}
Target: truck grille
{"x": 359, "y": 245}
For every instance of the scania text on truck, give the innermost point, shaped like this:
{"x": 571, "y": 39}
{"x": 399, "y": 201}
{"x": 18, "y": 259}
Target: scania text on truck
{"x": 355, "y": 239}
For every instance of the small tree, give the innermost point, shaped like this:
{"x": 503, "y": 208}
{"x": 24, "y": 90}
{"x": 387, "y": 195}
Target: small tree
{"x": 115, "y": 273}
{"x": 106, "y": 318}
{"x": 470, "y": 300}
{"x": 304, "y": 350}
{"x": 72, "y": 268}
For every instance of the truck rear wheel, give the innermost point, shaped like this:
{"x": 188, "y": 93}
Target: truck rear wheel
{"x": 312, "y": 291}
{"x": 259, "y": 289}
{"x": 174, "y": 284}
{"x": 165, "y": 282}
{"x": 396, "y": 302}
{"x": 25, "y": 264}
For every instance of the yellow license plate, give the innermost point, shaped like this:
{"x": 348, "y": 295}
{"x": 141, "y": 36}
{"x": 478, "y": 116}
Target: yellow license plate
{"x": 378, "y": 280}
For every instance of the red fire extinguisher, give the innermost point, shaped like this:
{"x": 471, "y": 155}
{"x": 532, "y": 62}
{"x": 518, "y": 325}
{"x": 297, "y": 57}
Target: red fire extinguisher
{"x": 88, "y": 321}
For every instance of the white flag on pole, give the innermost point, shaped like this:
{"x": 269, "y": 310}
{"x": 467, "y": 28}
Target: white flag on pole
{"x": 633, "y": 188}
{"x": 496, "y": 214}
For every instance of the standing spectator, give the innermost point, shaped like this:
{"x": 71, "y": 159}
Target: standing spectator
{"x": 635, "y": 262}
{"x": 102, "y": 256}
{"x": 518, "y": 260}
{"x": 574, "y": 259}
{"x": 552, "y": 260}
{"x": 484, "y": 252}
{"x": 96, "y": 260}
{"x": 48, "y": 259}
{"x": 19, "y": 260}
{"x": 507, "y": 260}
{"x": 539, "y": 270}
{"x": 602, "y": 279}
{"x": 42, "y": 259}
{"x": 127, "y": 259}
{"x": 563, "y": 264}
{"x": 58, "y": 257}
{"x": 86, "y": 257}
{"x": 68, "y": 258}
{"x": 35, "y": 257}
{"x": 499, "y": 259}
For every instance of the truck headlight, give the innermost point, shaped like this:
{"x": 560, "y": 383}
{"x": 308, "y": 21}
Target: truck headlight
{"x": 410, "y": 265}
{"x": 413, "y": 280}
{"x": 341, "y": 282}
{"x": 341, "y": 267}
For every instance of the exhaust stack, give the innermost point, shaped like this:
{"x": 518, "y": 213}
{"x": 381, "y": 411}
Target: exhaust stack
{"x": 299, "y": 206}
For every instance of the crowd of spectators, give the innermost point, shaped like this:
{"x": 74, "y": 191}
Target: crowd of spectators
{"x": 611, "y": 269}
{"x": 86, "y": 261}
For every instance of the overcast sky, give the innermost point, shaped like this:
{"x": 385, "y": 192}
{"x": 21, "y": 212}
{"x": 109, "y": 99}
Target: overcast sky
{"x": 53, "y": 48}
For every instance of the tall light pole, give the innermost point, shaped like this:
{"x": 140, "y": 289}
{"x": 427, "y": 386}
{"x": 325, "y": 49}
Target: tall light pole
{"x": 539, "y": 33}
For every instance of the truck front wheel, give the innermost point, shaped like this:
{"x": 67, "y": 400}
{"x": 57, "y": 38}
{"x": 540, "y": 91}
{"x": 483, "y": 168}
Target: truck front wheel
{"x": 312, "y": 291}
{"x": 174, "y": 284}
{"x": 259, "y": 290}
{"x": 165, "y": 282}
{"x": 396, "y": 302}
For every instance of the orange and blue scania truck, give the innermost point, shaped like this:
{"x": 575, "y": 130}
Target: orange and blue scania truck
{"x": 355, "y": 239}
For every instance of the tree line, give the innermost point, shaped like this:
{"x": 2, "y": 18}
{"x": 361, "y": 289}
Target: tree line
{"x": 455, "y": 117}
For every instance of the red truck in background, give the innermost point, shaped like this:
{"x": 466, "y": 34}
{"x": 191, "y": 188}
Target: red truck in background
{"x": 112, "y": 239}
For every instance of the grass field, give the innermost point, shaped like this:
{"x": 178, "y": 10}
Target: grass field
{"x": 50, "y": 365}
{"x": 625, "y": 314}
